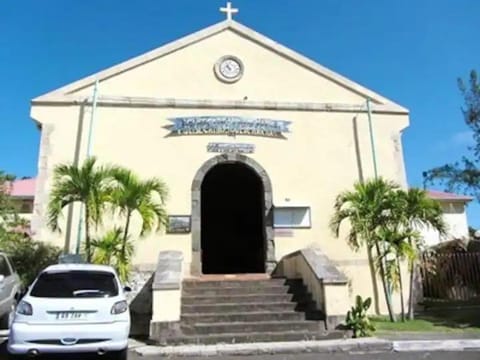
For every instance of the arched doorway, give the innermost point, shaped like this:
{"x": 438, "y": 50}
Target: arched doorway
{"x": 245, "y": 185}
{"x": 232, "y": 232}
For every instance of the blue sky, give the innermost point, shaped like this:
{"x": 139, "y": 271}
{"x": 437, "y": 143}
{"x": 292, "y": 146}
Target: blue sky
{"x": 410, "y": 51}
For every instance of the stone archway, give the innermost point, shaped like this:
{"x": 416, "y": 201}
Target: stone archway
{"x": 196, "y": 266}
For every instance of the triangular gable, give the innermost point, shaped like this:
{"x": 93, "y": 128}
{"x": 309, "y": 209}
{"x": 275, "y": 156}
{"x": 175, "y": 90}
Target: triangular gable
{"x": 196, "y": 37}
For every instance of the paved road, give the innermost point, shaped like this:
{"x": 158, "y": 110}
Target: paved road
{"x": 390, "y": 356}
{"x": 131, "y": 356}
{"x": 465, "y": 355}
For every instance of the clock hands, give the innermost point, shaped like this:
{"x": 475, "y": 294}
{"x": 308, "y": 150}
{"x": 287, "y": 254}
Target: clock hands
{"x": 229, "y": 69}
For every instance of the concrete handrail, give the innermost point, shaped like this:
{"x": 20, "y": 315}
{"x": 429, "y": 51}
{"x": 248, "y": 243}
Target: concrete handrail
{"x": 168, "y": 274}
{"x": 327, "y": 284}
{"x": 167, "y": 287}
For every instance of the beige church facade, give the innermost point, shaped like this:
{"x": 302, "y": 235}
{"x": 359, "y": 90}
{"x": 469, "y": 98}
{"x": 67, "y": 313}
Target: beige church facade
{"x": 253, "y": 140}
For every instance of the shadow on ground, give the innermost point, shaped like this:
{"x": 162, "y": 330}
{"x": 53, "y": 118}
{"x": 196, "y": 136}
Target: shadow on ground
{"x": 141, "y": 311}
{"x": 453, "y": 317}
{"x": 82, "y": 356}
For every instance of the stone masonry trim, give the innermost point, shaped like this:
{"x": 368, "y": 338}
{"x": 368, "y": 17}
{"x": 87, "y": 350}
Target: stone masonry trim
{"x": 151, "y": 102}
{"x": 196, "y": 207}
{"x": 168, "y": 275}
{"x": 323, "y": 267}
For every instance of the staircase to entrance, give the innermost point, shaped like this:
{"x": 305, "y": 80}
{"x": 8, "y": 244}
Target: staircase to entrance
{"x": 249, "y": 309}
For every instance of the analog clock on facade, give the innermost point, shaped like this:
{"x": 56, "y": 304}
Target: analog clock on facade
{"x": 229, "y": 69}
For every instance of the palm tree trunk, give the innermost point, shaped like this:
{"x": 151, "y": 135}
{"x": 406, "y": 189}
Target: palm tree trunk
{"x": 400, "y": 283}
{"x": 125, "y": 236}
{"x": 384, "y": 284}
{"x": 411, "y": 300}
{"x": 373, "y": 274}
{"x": 87, "y": 234}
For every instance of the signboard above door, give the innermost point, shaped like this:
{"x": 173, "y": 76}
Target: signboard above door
{"x": 228, "y": 125}
{"x": 231, "y": 148}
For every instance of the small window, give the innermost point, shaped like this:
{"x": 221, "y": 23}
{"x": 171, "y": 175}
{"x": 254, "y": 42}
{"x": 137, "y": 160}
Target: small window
{"x": 70, "y": 284}
{"x": 26, "y": 207}
{"x": 292, "y": 217}
{"x": 4, "y": 268}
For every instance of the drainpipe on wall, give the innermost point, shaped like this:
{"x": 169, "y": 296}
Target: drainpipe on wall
{"x": 372, "y": 141}
{"x": 89, "y": 152}
{"x": 375, "y": 173}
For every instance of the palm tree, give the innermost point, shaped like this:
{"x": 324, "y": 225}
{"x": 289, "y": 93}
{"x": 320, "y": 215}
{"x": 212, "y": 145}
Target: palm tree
{"x": 418, "y": 211}
{"x": 145, "y": 197}
{"x": 107, "y": 248}
{"x": 88, "y": 184}
{"x": 396, "y": 244}
{"x": 107, "y": 251}
{"x": 366, "y": 208}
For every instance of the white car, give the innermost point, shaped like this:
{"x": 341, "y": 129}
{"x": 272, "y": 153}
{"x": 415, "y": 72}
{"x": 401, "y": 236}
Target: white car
{"x": 72, "y": 308}
{"x": 10, "y": 291}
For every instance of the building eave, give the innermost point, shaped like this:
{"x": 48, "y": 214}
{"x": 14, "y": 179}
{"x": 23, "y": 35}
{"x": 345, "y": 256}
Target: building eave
{"x": 447, "y": 197}
{"x": 53, "y": 96}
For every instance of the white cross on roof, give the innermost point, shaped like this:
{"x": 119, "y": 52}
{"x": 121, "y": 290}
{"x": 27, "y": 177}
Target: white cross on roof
{"x": 229, "y": 10}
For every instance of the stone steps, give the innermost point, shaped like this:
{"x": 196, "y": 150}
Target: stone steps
{"x": 192, "y": 284}
{"x": 248, "y": 298}
{"x": 237, "y": 307}
{"x": 255, "y": 337}
{"x": 243, "y": 316}
{"x": 236, "y": 290}
{"x": 247, "y": 327}
{"x": 236, "y": 311}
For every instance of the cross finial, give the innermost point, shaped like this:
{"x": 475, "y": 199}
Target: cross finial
{"x": 229, "y": 10}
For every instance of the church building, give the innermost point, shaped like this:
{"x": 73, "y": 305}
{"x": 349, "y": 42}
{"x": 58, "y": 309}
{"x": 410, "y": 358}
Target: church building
{"x": 254, "y": 141}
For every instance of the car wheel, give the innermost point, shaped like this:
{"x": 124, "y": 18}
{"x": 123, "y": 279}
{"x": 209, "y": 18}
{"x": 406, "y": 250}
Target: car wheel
{"x": 7, "y": 319}
{"x": 120, "y": 355}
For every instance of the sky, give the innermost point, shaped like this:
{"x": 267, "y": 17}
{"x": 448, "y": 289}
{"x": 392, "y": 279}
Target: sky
{"x": 410, "y": 51}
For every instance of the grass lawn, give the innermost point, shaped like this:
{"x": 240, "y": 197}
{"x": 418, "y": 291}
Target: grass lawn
{"x": 457, "y": 321}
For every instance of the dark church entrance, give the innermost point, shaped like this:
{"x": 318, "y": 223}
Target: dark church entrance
{"x": 232, "y": 223}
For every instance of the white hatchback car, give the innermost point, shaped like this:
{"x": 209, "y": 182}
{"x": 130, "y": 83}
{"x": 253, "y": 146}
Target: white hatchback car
{"x": 72, "y": 308}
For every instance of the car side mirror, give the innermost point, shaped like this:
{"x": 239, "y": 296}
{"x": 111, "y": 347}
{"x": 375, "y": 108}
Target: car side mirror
{"x": 127, "y": 289}
{"x": 2, "y": 278}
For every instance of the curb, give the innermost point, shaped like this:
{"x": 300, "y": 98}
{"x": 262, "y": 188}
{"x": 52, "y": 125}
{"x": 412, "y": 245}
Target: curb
{"x": 365, "y": 345}
{"x": 436, "y": 345}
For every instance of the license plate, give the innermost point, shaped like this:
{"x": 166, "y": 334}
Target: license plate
{"x": 70, "y": 315}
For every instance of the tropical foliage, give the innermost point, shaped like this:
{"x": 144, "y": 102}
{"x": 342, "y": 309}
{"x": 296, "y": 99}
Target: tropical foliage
{"x": 89, "y": 185}
{"x": 357, "y": 319}
{"x": 144, "y": 197}
{"x": 415, "y": 211}
{"x": 388, "y": 220}
{"x": 463, "y": 175}
{"x": 27, "y": 255}
{"x": 111, "y": 249}
{"x": 112, "y": 190}
{"x": 366, "y": 209}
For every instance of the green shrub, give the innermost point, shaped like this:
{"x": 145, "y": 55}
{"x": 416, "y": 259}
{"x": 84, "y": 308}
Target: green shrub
{"x": 29, "y": 257}
{"x": 357, "y": 319}
{"x": 107, "y": 250}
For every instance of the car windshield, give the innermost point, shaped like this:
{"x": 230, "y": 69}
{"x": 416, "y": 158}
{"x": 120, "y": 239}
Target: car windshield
{"x": 71, "y": 284}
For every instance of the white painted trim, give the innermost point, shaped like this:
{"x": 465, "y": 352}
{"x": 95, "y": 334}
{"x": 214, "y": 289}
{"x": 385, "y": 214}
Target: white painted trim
{"x": 206, "y": 33}
{"x": 128, "y": 101}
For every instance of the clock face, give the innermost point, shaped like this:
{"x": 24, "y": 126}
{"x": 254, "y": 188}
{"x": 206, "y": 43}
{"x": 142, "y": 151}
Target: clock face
{"x": 229, "y": 69}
